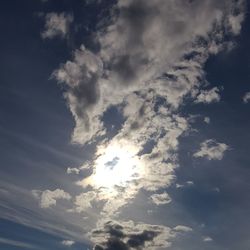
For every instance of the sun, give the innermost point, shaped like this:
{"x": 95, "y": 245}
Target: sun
{"x": 116, "y": 165}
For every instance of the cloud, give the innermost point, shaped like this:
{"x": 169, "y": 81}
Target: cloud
{"x": 182, "y": 229}
{"x": 128, "y": 235}
{"x": 212, "y": 150}
{"x": 208, "y": 96}
{"x": 68, "y": 243}
{"x": 207, "y": 239}
{"x": 207, "y": 120}
{"x": 186, "y": 184}
{"x": 49, "y": 198}
{"x": 56, "y": 25}
{"x": 150, "y": 58}
{"x": 73, "y": 170}
{"x": 81, "y": 78}
{"x": 157, "y": 51}
{"x": 18, "y": 244}
{"x": 160, "y": 199}
{"x": 83, "y": 201}
{"x": 246, "y": 97}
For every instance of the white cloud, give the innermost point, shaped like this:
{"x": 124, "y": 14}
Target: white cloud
{"x": 73, "y": 170}
{"x": 212, "y": 150}
{"x": 207, "y": 120}
{"x": 138, "y": 58}
{"x": 182, "y": 229}
{"x": 235, "y": 22}
{"x": 208, "y": 96}
{"x": 57, "y": 25}
{"x": 246, "y": 97}
{"x": 49, "y": 198}
{"x": 83, "y": 201}
{"x": 68, "y": 243}
{"x": 186, "y": 184}
{"x": 207, "y": 239}
{"x": 81, "y": 77}
{"x": 160, "y": 199}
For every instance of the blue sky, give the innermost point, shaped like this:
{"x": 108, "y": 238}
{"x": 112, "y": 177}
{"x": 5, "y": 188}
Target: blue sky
{"x": 124, "y": 125}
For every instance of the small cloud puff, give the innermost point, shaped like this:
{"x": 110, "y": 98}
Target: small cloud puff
{"x": 207, "y": 119}
{"x": 56, "y": 25}
{"x": 208, "y": 96}
{"x": 160, "y": 199}
{"x": 207, "y": 239}
{"x": 68, "y": 243}
{"x": 246, "y": 97}
{"x": 73, "y": 170}
{"x": 211, "y": 150}
{"x": 49, "y": 198}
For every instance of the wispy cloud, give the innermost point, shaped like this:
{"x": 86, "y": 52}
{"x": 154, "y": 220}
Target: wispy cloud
{"x": 19, "y": 244}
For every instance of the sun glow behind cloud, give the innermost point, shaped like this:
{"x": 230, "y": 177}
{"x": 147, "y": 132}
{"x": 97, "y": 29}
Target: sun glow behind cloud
{"x": 116, "y": 165}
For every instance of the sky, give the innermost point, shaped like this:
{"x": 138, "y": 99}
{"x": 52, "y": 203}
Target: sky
{"x": 124, "y": 125}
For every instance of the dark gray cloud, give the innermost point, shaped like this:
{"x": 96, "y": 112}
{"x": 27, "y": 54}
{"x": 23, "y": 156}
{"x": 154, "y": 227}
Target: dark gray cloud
{"x": 118, "y": 238}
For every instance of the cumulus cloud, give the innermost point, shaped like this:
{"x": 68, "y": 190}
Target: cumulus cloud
{"x": 208, "y": 96}
{"x": 68, "y": 243}
{"x": 57, "y": 25}
{"x": 212, "y": 150}
{"x": 160, "y": 199}
{"x": 49, "y": 198}
{"x": 246, "y": 97}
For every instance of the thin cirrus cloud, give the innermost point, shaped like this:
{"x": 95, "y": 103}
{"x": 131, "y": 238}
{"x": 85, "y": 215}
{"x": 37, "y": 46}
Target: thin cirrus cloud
{"x": 19, "y": 244}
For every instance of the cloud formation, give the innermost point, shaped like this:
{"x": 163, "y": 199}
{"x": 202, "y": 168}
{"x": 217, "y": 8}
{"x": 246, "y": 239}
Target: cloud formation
{"x": 149, "y": 46}
{"x": 246, "y": 97}
{"x": 150, "y": 59}
{"x": 212, "y": 150}
{"x": 128, "y": 235}
{"x": 56, "y": 25}
{"x": 208, "y": 96}
{"x": 160, "y": 199}
{"x": 68, "y": 243}
{"x": 49, "y": 198}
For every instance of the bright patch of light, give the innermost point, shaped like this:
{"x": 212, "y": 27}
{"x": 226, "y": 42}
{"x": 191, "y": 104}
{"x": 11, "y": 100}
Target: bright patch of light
{"x": 116, "y": 165}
